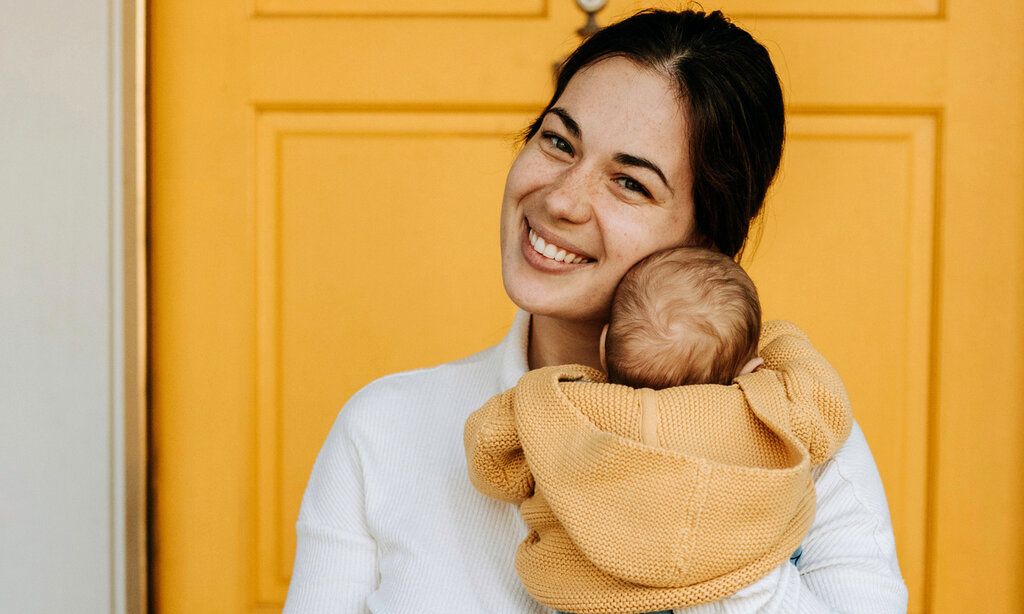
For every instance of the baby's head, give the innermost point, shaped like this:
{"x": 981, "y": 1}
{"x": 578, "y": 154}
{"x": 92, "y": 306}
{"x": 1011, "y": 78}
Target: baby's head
{"x": 682, "y": 316}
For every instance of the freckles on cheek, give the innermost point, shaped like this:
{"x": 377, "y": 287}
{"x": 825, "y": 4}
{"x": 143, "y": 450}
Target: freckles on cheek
{"x": 525, "y": 170}
{"x": 626, "y": 242}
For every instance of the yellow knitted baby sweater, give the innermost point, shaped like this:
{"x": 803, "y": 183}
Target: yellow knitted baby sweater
{"x": 642, "y": 500}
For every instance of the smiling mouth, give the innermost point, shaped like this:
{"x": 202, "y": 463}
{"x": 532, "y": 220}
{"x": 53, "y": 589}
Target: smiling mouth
{"x": 554, "y": 252}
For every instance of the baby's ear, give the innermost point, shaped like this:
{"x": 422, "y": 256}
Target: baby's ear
{"x": 600, "y": 350}
{"x": 752, "y": 364}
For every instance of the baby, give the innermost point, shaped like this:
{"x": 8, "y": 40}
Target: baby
{"x": 667, "y": 486}
{"x": 682, "y": 316}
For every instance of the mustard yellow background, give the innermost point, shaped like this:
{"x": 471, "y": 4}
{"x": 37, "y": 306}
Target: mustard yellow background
{"x": 325, "y": 183}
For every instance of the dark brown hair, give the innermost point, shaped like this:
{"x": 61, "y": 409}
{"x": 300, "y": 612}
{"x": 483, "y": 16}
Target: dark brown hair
{"x": 731, "y": 93}
{"x": 682, "y": 316}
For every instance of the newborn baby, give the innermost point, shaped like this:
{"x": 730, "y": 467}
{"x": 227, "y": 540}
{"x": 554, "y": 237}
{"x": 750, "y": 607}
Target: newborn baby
{"x": 682, "y": 316}
{"x": 688, "y": 476}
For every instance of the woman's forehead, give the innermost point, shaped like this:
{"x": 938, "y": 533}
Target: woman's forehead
{"x": 620, "y": 104}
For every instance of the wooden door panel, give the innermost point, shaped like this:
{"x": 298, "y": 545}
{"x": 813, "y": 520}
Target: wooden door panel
{"x": 435, "y": 60}
{"x": 361, "y": 264}
{"x": 401, "y": 8}
{"x": 834, "y": 9}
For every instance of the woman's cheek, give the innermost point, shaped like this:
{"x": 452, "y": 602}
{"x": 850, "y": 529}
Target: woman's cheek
{"x": 526, "y": 173}
{"x": 628, "y": 235}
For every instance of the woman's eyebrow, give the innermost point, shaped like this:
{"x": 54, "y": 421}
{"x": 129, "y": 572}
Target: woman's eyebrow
{"x": 630, "y": 160}
{"x": 570, "y": 123}
{"x": 622, "y": 158}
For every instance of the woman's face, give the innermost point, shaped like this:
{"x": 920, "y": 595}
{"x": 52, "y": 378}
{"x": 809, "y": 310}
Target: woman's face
{"x": 606, "y": 178}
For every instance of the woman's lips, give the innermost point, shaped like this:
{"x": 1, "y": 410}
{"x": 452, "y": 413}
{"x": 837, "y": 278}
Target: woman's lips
{"x": 548, "y": 256}
{"x": 552, "y": 251}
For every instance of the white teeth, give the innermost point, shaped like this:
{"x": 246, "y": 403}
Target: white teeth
{"x": 553, "y": 252}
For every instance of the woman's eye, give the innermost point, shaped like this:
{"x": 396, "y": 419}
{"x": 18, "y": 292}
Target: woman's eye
{"x": 633, "y": 185}
{"x": 558, "y": 142}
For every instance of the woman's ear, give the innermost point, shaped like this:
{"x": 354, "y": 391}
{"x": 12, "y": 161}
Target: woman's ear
{"x": 752, "y": 364}
{"x": 600, "y": 350}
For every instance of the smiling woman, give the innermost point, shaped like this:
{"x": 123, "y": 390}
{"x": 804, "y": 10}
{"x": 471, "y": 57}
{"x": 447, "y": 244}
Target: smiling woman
{"x": 664, "y": 130}
{"x": 577, "y": 186}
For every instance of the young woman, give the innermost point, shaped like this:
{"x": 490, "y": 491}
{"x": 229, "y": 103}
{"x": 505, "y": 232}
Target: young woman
{"x": 665, "y": 129}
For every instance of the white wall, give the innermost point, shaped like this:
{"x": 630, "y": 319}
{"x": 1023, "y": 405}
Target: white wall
{"x": 61, "y": 326}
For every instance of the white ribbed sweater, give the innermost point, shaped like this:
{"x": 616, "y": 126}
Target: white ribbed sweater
{"x": 391, "y": 524}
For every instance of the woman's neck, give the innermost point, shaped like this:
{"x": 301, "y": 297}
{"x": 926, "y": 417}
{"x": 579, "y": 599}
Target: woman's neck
{"x": 559, "y": 342}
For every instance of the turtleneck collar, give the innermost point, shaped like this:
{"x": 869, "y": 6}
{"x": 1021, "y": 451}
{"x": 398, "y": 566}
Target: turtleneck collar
{"x": 514, "y": 348}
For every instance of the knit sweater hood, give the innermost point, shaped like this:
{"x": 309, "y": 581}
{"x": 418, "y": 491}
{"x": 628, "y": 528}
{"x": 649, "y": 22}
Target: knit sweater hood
{"x": 641, "y": 500}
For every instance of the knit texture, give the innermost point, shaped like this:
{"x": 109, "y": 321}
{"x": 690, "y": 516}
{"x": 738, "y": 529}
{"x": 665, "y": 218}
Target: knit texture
{"x": 641, "y": 500}
{"x": 390, "y": 522}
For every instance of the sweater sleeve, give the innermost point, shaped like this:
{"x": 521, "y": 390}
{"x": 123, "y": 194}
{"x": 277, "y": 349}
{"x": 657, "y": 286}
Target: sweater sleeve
{"x": 336, "y": 556}
{"x": 847, "y": 561}
{"x": 779, "y": 592}
{"x": 848, "y": 557}
{"x": 494, "y": 454}
{"x": 849, "y": 554}
{"x": 818, "y": 408}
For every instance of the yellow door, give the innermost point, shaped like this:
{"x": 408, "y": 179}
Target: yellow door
{"x": 320, "y": 170}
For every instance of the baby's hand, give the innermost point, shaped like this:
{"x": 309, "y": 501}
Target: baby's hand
{"x": 752, "y": 364}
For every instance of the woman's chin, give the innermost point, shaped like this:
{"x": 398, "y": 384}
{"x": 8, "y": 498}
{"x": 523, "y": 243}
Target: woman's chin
{"x": 560, "y": 296}
{"x": 552, "y": 302}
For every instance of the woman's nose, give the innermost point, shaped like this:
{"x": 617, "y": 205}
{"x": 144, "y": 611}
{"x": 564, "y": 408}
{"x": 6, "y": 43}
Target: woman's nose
{"x": 571, "y": 196}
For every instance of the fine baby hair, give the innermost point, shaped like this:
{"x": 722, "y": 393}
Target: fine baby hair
{"x": 682, "y": 316}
